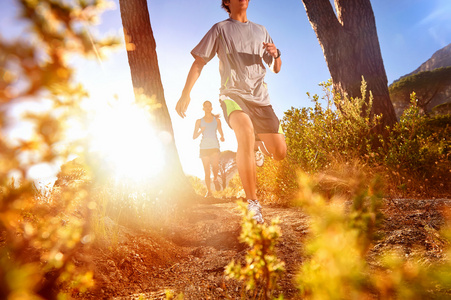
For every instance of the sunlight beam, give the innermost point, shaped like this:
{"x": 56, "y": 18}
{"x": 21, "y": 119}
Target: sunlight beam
{"x": 122, "y": 134}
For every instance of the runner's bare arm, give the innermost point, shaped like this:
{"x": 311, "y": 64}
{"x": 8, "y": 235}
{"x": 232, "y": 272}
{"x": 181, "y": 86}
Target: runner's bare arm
{"x": 193, "y": 75}
{"x": 220, "y": 130}
{"x": 197, "y": 129}
{"x": 272, "y": 50}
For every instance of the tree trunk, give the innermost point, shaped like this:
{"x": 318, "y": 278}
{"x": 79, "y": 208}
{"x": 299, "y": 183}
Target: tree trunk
{"x": 351, "y": 49}
{"x": 146, "y": 79}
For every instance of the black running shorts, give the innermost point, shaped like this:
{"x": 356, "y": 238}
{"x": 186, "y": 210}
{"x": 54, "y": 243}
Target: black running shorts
{"x": 263, "y": 117}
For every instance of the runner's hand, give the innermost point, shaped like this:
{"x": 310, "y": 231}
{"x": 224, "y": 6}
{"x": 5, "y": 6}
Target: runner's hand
{"x": 182, "y": 105}
{"x": 270, "y": 48}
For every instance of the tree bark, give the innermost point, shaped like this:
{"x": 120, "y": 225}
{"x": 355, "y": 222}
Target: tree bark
{"x": 351, "y": 48}
{"x": 146, "y": 79}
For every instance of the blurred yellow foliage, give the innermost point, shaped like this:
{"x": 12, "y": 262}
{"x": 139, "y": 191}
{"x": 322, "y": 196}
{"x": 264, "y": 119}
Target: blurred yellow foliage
{"x": 42, "y": 230}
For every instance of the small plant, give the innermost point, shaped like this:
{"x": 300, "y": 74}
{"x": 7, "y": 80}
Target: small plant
{"x": 341, "y": 234}
{"x": 262, "y": 268}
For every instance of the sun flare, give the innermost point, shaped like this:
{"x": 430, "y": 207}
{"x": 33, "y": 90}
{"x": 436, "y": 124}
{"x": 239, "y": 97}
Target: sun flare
{"x": 122, "y": 135}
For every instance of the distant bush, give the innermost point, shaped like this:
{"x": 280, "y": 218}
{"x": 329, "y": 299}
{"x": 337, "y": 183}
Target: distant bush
{"x": 234, "y": 188}
{"x": 430, "y": 87}
{"x": 198, "y": 186}
{"x": 419, "y": 144}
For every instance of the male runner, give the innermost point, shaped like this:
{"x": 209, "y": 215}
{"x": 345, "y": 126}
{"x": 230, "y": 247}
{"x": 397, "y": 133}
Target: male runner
{"x": 242, "y": 46}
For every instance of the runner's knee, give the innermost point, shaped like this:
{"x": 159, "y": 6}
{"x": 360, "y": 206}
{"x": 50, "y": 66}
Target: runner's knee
{"x": 280, "y": 152}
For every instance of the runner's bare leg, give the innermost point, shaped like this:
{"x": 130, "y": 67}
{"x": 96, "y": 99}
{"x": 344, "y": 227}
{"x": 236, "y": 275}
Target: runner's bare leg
{"x": 206, "y": 164}
{"x": 275, "y": 144}
{"x": 245, "y": 159}
{"x": 215, "y": 165}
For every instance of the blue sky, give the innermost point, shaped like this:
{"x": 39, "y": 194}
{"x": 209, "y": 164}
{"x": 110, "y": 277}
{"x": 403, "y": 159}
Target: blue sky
{"x": 409, "y": 32}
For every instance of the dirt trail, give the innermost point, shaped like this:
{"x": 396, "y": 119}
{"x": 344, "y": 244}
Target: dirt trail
{"x": 190, "y": 256}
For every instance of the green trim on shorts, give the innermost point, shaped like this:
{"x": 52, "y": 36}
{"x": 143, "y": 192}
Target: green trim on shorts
{"x": 231, "y": 106}
{"x": 280, "y": 129}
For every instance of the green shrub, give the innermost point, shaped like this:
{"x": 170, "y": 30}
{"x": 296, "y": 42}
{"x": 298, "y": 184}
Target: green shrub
{"x": 344, "y": 127}
{"x": 414, "y": 158}
{"x": 416, "y": 155}
{"x": 418, "y": 143}
{"x": 318, "y": 137}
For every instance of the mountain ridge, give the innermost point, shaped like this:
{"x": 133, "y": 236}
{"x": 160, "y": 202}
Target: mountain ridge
{"x": 441, "y": 58}
{"x": 432, "y": 86}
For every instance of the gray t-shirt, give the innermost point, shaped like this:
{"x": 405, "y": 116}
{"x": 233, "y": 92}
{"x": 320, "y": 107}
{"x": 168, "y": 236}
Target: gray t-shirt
{"x": 239, "y": 47}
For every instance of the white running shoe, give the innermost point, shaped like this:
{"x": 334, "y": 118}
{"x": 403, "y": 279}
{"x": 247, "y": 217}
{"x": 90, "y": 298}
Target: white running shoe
{"x": 259, "y": 158}
{"x": 254, "y": 205}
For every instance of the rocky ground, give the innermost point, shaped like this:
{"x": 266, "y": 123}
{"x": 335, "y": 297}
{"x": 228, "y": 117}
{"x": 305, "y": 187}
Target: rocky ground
{"x": 190, "y": 255}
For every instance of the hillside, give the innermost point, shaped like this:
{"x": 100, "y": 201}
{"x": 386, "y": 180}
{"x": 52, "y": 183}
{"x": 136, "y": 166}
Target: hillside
{"x": 431, "y": 82}
{"x": 440, "y": 59}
